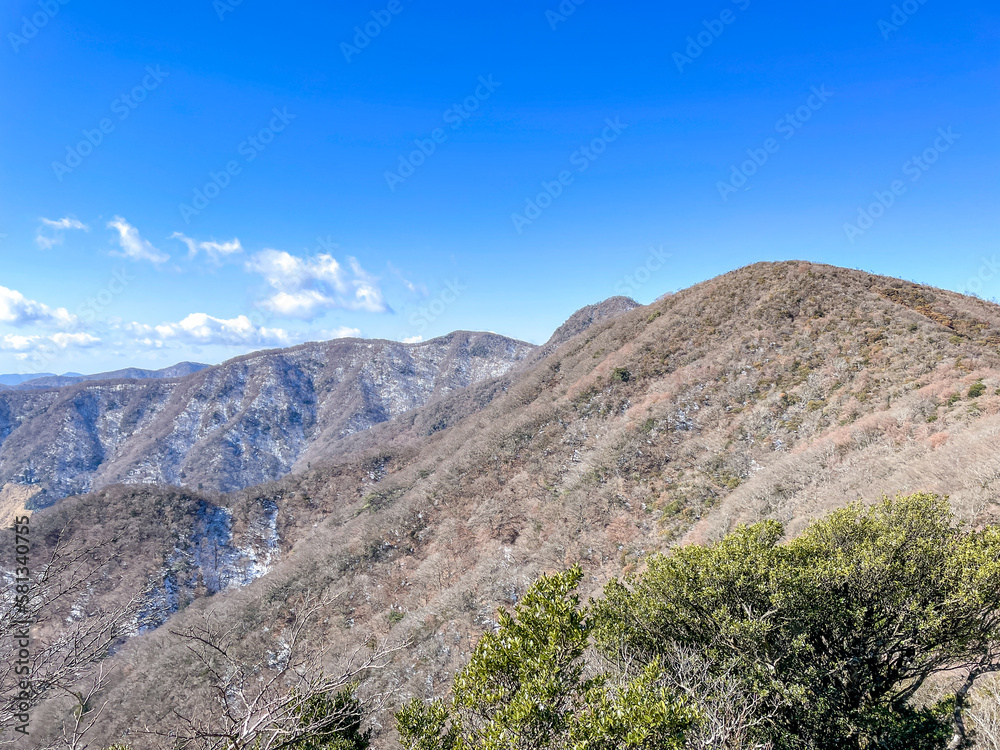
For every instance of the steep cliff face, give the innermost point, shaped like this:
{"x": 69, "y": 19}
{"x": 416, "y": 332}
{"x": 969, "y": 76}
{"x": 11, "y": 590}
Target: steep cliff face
{"x": 229, "y": 427}
{"x": 209, "y": 557}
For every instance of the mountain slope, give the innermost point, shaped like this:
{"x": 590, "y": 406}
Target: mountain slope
{"x": 8, "y": 381}
{"x": 776, "y": 391}
{"x": 235, "y": 425}
{"x": 131, "y": 373}
{"x": 585, "y": 318}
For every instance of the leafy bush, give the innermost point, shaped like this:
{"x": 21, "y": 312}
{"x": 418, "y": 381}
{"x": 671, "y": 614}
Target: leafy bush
{"x": 836, "y": 630}
{"x": 525, "y": 687}
{"x": 621, "y": 375}
{"x": 334, "y": 723}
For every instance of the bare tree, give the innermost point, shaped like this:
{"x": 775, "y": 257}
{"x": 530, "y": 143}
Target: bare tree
{"x": 984, "y": 714}
{"x": 731, "y": 715}
{"x": 265, "y": 698}
{"x": 86, "y": 712}
{"x": 57, "y": 661}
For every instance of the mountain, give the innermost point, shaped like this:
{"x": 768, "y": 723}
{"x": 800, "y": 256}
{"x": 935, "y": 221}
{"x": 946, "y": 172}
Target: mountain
{"x": 777, "y": 391}
{"x": 12, "y": 380}
{"x": 31, "y": 382}
{"x": 234, "y": 425}
{"x": 586, "y": 317}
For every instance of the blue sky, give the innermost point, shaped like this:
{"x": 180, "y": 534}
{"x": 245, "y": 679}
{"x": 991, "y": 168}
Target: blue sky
{"x": 199, "y": 179}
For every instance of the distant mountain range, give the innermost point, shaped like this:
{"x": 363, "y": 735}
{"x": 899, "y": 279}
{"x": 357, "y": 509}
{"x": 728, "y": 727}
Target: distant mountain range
{"x": 9, "y": 380}
{"x": 48, "y": 380}
{"x": 231, "y": 426}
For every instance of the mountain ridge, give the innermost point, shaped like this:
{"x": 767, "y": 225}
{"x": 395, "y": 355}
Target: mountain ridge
{"x": 777, "y": 391}
{"x": 42, "y": 381}
{"x": 232, "y": 425}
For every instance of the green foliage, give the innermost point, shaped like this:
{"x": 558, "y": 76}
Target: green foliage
{"x": 334, "y": 723}
{"x": 977, "y": 390}
{"x": 526, "y": 687}
{"x": 834, "y": 631}
{"x": 620, "y": 375}
{"x": 381, "y": 499}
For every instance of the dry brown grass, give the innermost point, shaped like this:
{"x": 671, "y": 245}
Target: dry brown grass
{"x": 14, "y": 499}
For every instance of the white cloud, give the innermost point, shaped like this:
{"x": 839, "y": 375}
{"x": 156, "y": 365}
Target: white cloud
{"x": 413, "y": 340}
{"x": 205, "y": 330}
{"x": 51, "y": 231}
{"x": 15, "y": 343}
{"x": 306, "y": 304}
{"x": 76, "y": 340}
{"x": 215, "y": 250}
{"x": 33, "y": 345}
{"x": 307, "y": 287}
{"x": 133, "y": 245}
{"x": 18, "y": 310}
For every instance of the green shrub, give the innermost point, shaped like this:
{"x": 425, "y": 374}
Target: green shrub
{"x": 834, "y": 630}
{"x": 977, "y": 390}
{"x": 528, "y": 686}
{"x": 621, "y": 375}
{"x": 334, "y": 722}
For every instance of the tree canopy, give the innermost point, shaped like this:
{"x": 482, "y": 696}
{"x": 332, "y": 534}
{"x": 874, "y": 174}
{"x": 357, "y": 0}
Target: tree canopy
{"x": 836, "y": 629}
{"x": 821, "y": 642}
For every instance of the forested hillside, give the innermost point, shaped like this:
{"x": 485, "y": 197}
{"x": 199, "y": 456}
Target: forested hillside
{"x": 772, "y": 396}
